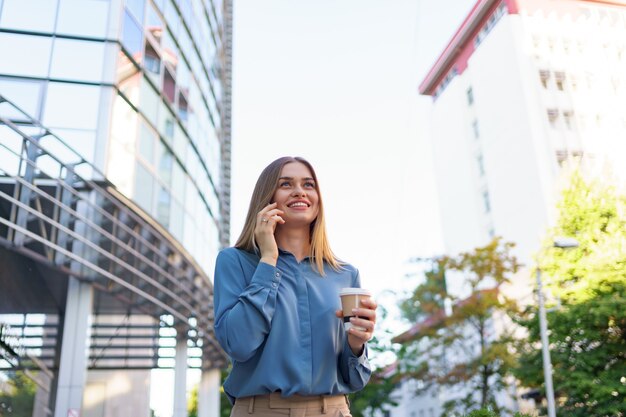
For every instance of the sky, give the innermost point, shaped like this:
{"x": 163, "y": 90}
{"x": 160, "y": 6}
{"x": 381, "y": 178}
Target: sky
{"x": 336, "y": 81}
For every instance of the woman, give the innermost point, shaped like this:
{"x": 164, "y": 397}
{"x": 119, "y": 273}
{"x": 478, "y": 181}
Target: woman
{"x": 277, "y": 306}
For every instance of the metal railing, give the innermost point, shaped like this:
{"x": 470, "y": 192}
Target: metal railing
{"x": 59, "y": 209}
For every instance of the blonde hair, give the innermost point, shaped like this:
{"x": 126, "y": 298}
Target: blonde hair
{"x": 262, "y": 196}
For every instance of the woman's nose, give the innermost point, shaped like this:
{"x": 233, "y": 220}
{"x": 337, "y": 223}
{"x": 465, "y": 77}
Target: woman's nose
{"x": 297, "y": 190}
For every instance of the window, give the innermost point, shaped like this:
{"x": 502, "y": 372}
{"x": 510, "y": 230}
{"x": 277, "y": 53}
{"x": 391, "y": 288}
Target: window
{"x": 83, "y": 17}
{"x": 544, "y": 76}
{"x": 72, "y": 105}
{"x": 136, "y": 7}
{"x": 29, "y": 15}
{"x": 169, "y": 86}
{"x": 132, "y": 37}
{"x": 16, "y": 61}
{"x": 152, "y": 62}
{"x": 25, "y": 94}
{"x": 143, "y": 187}
{"x": 559, "y": 78}
{"x": 486, "y": 201}
{"x": 147, "y": 139}
{"x": 553, "y": 115}
{"x": 481, "y": 165}
{"x": 68, "y": 52}
{"x": 568, "y": 118}
{"x": 475, "y": 129}
{"x": 470, "y": 96}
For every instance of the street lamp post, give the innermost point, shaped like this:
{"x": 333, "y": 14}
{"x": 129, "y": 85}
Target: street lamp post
{"x": 563, "y": 243}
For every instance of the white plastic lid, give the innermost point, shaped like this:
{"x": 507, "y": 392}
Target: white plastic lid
{"x": 354, "y": 291}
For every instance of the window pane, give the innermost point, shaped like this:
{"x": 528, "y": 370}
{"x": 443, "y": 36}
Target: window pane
{"x": 178, "y": 183}
{"x": 67, "y": 52}
{"x": 136, "y": 7}
{"x": 30, "y": 15}
{"x": 144, "y": 183}
{"x": 71, "y": 105}
{"x": 132, "y": 37}
{"x": 149, "y": 101}
{"x": 83, "y": 142}
{"x": 147, "y": 138}
{"x": 176, "y": 220}
{"x": 154, "y": 24}
{"x": 24, "y": 94}
{"x": 163, "y": 207}
{"x": 83, "y": 17}
{"x": 16, "y": 61}
{"x": 165, "y": 161}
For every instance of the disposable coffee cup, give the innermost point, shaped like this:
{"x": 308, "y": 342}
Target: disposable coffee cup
{"x": 351, "y": 299}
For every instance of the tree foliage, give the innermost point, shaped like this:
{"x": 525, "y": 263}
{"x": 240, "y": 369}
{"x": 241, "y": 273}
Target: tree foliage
{"x": 378, "y": 395}
{"x": 18, "y": 400}
{"x": 461, "y": 348}
{"x": 588, "y": 322}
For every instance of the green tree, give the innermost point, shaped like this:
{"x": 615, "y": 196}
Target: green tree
{"x": 192, "y": 403}
{"x": 225, "y": 407}
{"x": 588, "y": 322}
{"x": 19, "y": 398}
{"x": 460, "y": 347}
{"x": 378, "y": 394}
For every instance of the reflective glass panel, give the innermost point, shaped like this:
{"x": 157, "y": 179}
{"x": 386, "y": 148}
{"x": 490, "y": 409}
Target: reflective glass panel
{"x": 152, "y": 63}
{"x": 178, "y": 182}
{"x": 147, "y": 139}
{"x": 166, "y": 123}
{"x": 23, "y": 93}
{"x": 169, "y": 87}
{"x": 180, "y": 143}
{"x": 136, "y": 7}
{"x": 14, "y": 59}
{"x": 83, "y": 142}
{"x": 154, "y": 24}
{"x": 170, "y": 51}
{"x": 144, "y": 185}
{"x": 67, "y": 53}
{"x": 163, "y": 207}
{"x": 83, "y": 18}
{"x": 72, "y": 106}
{"x": 176, "y": 220}
{"x": 132, "y": 37}
{"x": 149, "y": 101}
{"x": 165, "y": 160}
{"x": 172, "y": 18}
{"x": 29, "y": 15}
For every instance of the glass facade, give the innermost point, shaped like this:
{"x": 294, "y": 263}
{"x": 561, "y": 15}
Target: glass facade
{"x": 140, "y": 88}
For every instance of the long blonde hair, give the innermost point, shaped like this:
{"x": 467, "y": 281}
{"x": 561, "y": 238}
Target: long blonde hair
{"x": 262, "y": 196}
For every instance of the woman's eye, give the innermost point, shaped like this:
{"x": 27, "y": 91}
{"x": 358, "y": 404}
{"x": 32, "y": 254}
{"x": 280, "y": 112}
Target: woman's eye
{"x": 284, "y": 184}
{"x": 309, "y": 184}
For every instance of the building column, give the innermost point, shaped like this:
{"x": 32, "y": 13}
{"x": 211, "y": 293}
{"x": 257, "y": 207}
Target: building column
{"x": 74, "y": 349}
{"x": 180, "y": 375}
{"x": 209, "y": 393}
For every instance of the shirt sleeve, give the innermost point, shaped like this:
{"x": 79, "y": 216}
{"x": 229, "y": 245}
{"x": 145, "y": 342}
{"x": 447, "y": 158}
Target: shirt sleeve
{"x": 243, "y": 311}
{"x": 355, "y": 370}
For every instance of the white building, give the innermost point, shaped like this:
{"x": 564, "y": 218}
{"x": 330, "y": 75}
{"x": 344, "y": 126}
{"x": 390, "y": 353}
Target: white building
{"x": 523, "y": 87}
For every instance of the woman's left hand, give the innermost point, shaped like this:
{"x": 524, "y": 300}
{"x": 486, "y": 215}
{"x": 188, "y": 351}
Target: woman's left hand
{"x": 365, "y": 317}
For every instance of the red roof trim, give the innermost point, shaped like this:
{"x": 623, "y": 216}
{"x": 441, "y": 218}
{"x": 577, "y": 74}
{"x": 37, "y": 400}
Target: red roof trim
{"x": 463, "y": 35}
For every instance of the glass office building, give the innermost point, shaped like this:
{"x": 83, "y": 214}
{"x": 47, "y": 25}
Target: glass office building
{"x": 141, "y": 89}
{"x": 132, "y": 96}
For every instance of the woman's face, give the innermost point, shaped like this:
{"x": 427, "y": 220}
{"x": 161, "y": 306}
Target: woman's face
{"x": 296, "y": 195}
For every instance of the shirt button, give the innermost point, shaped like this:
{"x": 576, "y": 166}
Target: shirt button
{"x": 274, "y": 284}
{"x": 277, "y": 274}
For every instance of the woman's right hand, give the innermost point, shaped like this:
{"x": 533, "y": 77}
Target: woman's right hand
{"x": 266, "y": 221}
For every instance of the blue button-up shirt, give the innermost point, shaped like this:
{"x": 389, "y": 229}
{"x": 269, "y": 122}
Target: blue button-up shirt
{"x": 278, "y": 326}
